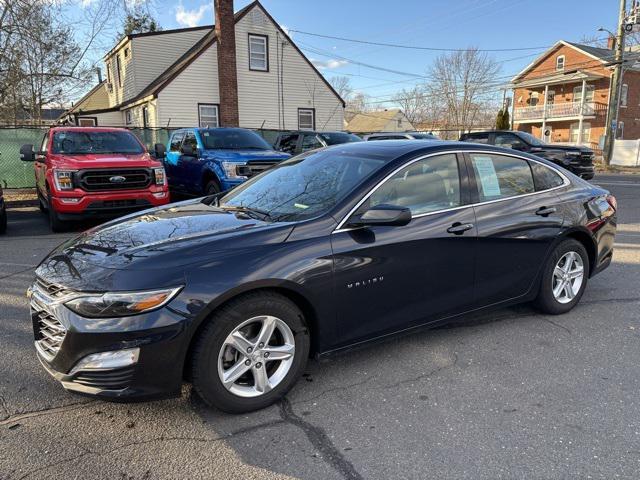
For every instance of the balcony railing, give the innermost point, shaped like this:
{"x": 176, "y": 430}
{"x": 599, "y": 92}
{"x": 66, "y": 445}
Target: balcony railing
{"x": 559, "y": 110}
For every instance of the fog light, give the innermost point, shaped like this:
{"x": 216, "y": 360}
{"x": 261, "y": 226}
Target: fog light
{"x": 160, "y": 194}
{"x": 69, "y": 200}
{"x": 108, "y": 360}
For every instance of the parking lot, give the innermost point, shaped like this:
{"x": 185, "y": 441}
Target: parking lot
{"x": 506, "y": 394}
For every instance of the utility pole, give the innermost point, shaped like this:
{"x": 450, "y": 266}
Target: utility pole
{"x": 614, "y": 96}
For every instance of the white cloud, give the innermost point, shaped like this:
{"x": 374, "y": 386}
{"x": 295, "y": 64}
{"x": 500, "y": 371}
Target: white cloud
{"x": 191, "y": 18}
{"x": 328, "y": 64}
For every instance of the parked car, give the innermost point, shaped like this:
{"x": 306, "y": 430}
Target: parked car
{"x": 204, "y": 161}
{"x": 326, "y": 250}
{"x": 94, "y": 172}
{"x": 400, "y": 136}
{"x": 305, "y": 140}
{"x": 3, "y": 213}
{"x": 576, "y": 159}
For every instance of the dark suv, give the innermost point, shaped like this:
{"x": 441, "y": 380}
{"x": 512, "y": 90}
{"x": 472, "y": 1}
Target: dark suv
{"x": 305, "y": 140}
{"x": 576, "y": 159}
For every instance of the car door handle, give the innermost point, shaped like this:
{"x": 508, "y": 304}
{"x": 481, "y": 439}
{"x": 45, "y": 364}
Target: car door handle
{"x": 459, "y": 228}
{"x": 545, "y": 211}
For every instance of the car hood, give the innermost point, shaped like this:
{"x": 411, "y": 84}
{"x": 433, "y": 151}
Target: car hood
{"x": 160, "y": 240}
{"x": 247, "y": 155}
{"x": 104, "y": 160}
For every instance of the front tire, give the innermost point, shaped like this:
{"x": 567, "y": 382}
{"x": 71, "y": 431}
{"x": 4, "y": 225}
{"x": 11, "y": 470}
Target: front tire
{"x": 55, "y": 223}
{"x": 212, "y": 188}
{"x": 564, "y": 278}
{"x": 250, "y": 353}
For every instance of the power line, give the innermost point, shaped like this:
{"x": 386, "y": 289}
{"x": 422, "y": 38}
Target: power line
{"x": 411, "y": 47}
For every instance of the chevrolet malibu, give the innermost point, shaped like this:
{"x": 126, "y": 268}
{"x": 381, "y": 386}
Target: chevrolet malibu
{"x": 235, "y": 291}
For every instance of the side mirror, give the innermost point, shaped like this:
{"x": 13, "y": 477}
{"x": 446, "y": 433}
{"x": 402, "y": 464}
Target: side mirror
{"x": 27, "y": 154}
{"x": 383, "y": 215}
{"x": 188, "y": 151}
{"x": 159, "y": 150}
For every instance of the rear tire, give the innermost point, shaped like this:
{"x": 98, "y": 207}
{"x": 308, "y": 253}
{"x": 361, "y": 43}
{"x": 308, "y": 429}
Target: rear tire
{"x": 564, "y": 278}
{"x": 214, "y": 357}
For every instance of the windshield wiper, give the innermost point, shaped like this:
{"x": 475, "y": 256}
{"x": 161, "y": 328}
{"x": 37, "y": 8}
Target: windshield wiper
{"x": 263, "y": 214}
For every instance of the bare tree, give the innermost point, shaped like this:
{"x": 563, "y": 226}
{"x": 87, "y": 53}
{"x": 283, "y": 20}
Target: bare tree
{"x": 358, "y": 102}
{"x": 342, "y": 85}
{"x": 414, "y": 102}
{"x": 463, "y": 81}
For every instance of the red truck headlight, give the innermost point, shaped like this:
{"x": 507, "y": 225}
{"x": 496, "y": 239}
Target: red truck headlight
{"x": 63, "y": 179}
{"x": 159, "y": 175}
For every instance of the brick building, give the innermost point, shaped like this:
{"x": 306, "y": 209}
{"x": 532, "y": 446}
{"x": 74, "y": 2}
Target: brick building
{"x": 563, "y": 95}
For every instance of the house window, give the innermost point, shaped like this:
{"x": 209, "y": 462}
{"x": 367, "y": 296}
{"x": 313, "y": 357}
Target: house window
{"x": 258, "y": 52}
{"x": 87, "y": 122}
{"x": 533, "y": 99}
{"x": 126, "y": 53}
{"x": 577, "y": 94}
{"x": 109, "y": 74}
{"x": 208, "y": 116}
{"x": 128, "y": 116}
{"x": 306, "y": 119}
{"x": 560, "y": 63}
{"x": 624, "y": 92}
{"x": 573, "y": 132}
{"x": 119, "y": 70}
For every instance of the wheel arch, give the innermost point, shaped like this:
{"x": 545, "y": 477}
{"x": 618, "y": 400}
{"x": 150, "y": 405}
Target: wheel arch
{"x": 289, "y": 290}
{"x": 209, "y": 174}
{"x": 586, "y": 239}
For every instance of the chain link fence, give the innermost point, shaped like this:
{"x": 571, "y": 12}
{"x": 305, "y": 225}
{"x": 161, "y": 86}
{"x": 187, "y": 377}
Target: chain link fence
{"x": 14, "y": 173}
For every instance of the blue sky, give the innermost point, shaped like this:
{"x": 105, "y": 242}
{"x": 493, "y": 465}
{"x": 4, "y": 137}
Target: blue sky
{"x": 430, "y": 23}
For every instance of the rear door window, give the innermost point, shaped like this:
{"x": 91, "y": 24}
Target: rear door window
{"x": 501, "y": 176}
{"x": 509, "y": 140}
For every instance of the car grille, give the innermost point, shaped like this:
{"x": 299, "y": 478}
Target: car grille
{"x": 49, "y": 332}
{"x": 586, "y": 158}
{"x": 101, "y": 180}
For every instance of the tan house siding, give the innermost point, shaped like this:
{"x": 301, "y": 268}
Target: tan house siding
{"x": 301, "y": 86}
{"x": 198, "y": 83}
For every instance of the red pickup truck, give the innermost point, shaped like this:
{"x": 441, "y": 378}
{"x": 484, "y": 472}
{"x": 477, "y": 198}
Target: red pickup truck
{"x": 90, "y": 172}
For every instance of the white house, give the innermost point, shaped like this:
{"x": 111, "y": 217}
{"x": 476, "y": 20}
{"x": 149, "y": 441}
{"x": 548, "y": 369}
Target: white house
{"x": 244, "y": 71}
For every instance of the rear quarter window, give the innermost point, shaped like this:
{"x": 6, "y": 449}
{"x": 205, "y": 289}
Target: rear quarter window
{"x": 545, "y": 177}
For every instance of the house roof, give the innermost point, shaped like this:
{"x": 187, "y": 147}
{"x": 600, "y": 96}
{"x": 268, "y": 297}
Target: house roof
{"x": 372, "y": 121}
{"x": 94, "y": 99}
{"x": 201, "y": 45}
{"x": 603, "y": 54}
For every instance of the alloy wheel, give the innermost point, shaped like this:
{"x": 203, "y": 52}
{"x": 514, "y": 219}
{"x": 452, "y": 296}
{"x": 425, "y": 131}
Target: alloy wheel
{"x": 568, "y": 276}
{"x": 256, "y": 356}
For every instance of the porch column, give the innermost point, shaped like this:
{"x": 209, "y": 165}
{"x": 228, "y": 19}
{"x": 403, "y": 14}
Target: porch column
{"x": 581, "y": 117}
{"x": 544, "y": 112}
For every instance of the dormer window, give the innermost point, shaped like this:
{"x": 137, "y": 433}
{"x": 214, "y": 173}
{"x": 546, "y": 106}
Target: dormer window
{"x": 560, "y": 63}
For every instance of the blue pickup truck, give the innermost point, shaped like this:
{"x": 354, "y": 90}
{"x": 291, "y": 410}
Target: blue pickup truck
{"x": 205, "y": 161}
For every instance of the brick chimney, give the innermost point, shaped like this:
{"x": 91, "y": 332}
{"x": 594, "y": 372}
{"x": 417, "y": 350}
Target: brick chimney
{"x": 611, "y": 42}
{"x": 227, "y": 73}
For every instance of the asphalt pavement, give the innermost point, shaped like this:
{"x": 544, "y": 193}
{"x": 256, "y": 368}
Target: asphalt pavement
{"x": 507, "y": 394}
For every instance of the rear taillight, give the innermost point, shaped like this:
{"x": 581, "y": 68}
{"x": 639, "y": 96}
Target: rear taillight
{"x": 611, "y": 200}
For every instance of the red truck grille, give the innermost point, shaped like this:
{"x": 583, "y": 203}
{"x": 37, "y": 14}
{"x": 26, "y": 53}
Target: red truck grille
{"x": 120, "y": 179}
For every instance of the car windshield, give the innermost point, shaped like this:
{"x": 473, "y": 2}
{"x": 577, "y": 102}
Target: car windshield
{"x": 334, "y": 138}
{"x": 233, "y": 139}
{"x": 88, "y": 142}
{"x": 424, "y": 136}
{"x": 304, "y": 186}
{"x": 530, "y": 139}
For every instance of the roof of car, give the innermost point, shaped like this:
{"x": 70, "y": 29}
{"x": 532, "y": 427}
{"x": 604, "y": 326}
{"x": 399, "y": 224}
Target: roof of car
{"x": 89, "y": 129}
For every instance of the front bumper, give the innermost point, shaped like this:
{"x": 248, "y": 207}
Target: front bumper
{"x": 78, "y": 206}
{"x": 584, "y": 171}
{"x": 63, "y": 339}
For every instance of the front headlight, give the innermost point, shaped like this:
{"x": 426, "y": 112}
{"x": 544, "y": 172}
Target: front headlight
{"x": 159, "y": 176}
{"x": 121, "y": 304}
{"x": 231, "y": 170}
{"x": 63, "y": 179}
